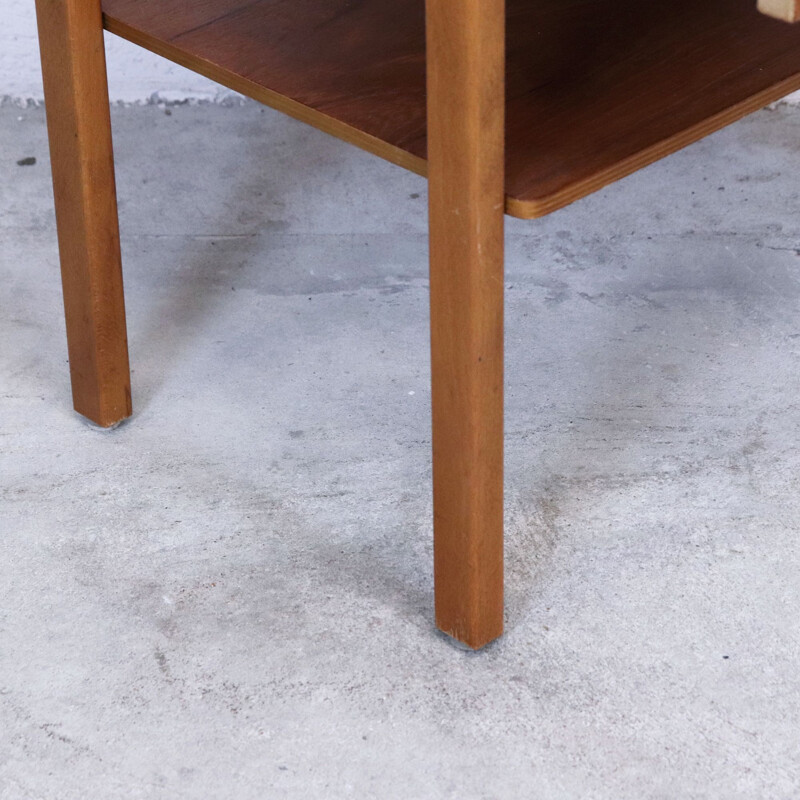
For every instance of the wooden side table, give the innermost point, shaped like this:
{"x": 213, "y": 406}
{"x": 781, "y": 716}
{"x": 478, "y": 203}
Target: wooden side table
{"x": 520, "y": 107}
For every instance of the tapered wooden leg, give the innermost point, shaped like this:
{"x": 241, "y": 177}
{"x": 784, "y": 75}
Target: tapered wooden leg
{"x": 466, "y": 108}
{"x": 79, "y": 127}
{"x": 788, "y": 10}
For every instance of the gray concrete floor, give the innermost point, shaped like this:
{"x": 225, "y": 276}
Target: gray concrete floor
{"x": 230, "y": 596}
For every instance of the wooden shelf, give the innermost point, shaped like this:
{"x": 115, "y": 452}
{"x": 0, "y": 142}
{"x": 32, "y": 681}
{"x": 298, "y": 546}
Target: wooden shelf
{"x": 595, "y": 88}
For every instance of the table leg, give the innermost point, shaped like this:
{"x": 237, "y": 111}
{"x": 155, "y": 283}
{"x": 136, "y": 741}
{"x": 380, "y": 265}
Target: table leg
{"x": 79, "y": 127}
{"x": 466, "y": 110}
{"x": 787, "y": 10}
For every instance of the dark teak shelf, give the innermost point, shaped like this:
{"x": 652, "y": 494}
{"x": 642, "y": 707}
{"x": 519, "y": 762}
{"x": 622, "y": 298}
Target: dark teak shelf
{"x": 595, "y": 88}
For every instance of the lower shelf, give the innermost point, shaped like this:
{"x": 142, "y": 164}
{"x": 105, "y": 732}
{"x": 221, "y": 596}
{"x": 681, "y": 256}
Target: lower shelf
{"x": 595, "y": 88}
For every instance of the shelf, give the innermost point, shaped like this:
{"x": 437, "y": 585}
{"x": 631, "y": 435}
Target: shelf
{"x": 595, "y": 88}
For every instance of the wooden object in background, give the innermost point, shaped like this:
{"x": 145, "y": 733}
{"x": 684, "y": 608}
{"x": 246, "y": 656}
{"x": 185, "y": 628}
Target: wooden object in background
{"x": 79, "y": 127}
{"x": 787, "y": 10}
{"x": 466, "y": 63}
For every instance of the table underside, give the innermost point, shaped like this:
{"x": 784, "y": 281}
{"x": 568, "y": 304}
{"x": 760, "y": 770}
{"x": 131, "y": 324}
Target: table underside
{"x": 595, "y": 89}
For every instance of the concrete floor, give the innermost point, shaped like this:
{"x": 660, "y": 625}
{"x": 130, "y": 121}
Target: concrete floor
{"x": 230, "y": 596}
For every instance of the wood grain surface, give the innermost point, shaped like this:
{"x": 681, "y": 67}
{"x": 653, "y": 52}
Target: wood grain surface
{"x": 465, "y": 196}
{"x": 595, "y": 88}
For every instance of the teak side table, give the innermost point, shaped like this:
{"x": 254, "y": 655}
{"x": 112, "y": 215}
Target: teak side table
{"x": 508, "y": 106}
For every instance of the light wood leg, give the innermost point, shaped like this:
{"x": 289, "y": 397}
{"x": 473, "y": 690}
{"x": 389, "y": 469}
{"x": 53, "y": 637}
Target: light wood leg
{"x": 466, "y": 108}
{"x": 79, "y": 127}
{"x": 787, "y": 10}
